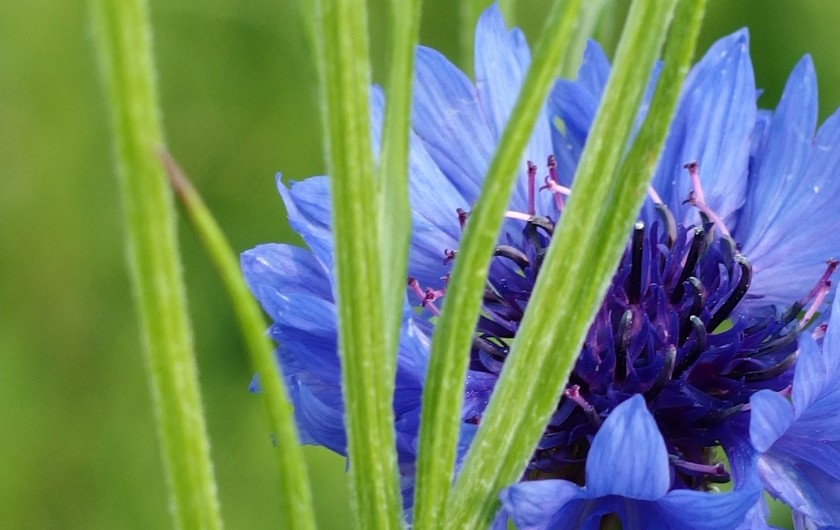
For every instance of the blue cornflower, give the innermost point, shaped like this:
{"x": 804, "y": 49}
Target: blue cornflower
{"x": 702, "y": 314}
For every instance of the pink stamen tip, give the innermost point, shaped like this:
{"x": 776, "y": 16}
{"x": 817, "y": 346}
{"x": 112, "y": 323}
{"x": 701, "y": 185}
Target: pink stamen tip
{"x": 532, "y": 177}
{"x": 698, "y": 199}
{"x": 831, "y": 266}
{"x": 822, "y": 292}
{"x": 786, "y": 392}
{"x": 426, "y": 297}
{"x": 573, "y": 393}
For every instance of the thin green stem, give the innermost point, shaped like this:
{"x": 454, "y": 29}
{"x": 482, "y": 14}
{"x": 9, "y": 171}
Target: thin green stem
{"x": 368, "y": 387}
{"x": 124, "y": 42}
{"x": 444, "y": 387}
{"x": 548, "y": 340}
{"x": 392, "y": 176}
{"x": 295, "y": 494}
{"x": 468, "y": 14}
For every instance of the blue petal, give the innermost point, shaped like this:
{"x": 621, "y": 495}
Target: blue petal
{"x": 778, "y": 198}
{"x": 707, "y": 511}
{"x": 628, "y": 455}
{"x": 713, "y": 126}
{"x": 831, "y": 343}
{"x": 542, "y": 504}
{"x": 802, "y": 467}
{"x": 811, "y": 376}
{"x": 448, "y": 119}
{"x": 308, "y": 208}
{"x": 501, "y": 61}
{"x": 805, "y": 475}
{"x": 317, "y": 422}
{"x": 594, "y": 69}
{"x": 276, "y": 269}
{"x": 771, "y": 417}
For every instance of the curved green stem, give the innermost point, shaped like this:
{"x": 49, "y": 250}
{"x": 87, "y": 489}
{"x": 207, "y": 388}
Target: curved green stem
{"x": 295, "y": 494}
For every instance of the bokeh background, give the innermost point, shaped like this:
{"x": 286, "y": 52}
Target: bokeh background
{"x": 78, "y": 447}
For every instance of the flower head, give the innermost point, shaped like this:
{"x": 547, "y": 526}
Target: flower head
{"x": 702, "y": 315}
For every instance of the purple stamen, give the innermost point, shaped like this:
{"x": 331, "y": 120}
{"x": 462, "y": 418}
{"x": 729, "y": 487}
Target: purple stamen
{"x": 698, "y": 199}
{"x": 532, "y": 177}
{"x": 427, "y": 296}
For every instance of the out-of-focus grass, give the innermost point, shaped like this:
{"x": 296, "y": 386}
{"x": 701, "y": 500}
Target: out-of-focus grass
{"x": 77, "y": 440}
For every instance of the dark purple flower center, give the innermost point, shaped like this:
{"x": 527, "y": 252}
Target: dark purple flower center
{"x": 671, "y": 327}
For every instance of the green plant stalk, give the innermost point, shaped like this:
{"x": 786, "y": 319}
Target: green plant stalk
{"x": 368, "y": 390}
{"x": 444, "y": 387}
{"x": 392, "y": 175}
{"x": 295, "y": 493}
{"x": 574, "y": 51}
{"x": 587, "y": 245}
{"x": 468, "y": 14}
{"x": 124, "y": 43}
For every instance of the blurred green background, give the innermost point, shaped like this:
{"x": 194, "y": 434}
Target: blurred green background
{"x": 77, "y": 441}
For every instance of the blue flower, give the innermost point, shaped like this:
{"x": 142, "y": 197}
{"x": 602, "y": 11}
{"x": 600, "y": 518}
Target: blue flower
{"x": 799, "y": 441}
{"x": 702, "y": 314}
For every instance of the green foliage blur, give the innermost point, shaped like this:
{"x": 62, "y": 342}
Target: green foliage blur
{"x": 78, "y": 444}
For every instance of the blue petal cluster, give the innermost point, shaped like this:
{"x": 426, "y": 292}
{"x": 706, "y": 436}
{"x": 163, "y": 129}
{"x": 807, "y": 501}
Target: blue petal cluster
{"x": 699, "y": 341}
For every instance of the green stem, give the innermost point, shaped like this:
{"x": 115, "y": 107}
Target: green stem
{"x": 587, "y": 246}
{"x": 444, "y": 387}
{"x": 295, "y": 495}
{"x": 392, "y": 176}
{"x": 363, "y": 336}
{"x": 468, "y": 14}
{"x": 124, "y": 42}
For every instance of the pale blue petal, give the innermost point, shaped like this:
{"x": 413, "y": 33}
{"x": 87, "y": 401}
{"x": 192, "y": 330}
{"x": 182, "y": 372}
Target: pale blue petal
{"x": 771, "y": 417}
{"x": 628, "y": 455}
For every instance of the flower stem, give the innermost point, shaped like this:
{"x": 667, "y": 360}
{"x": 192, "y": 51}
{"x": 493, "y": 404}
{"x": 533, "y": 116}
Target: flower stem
{"x": 585, "y": 248}
{"x": 124, "y": 42}
{"x": 367, "y": 379}
{"x": 295, "y": 494}
{"x": 444, "y": 387}
{"x": 392, "y": 175}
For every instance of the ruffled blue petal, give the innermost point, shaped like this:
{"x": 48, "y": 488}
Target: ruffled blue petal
{"x": 308, "y": 209}
{"x": 628, "y": 455}
{"x": 594, "y": 69}
{"x": 713, "y": 127}
{"x": 318, "y": 423}
{"x": 447, "y": 118}
{"x": 779, "y": 190}
{"x": 273, "y": 270}
{"x": 501, "y": 61}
